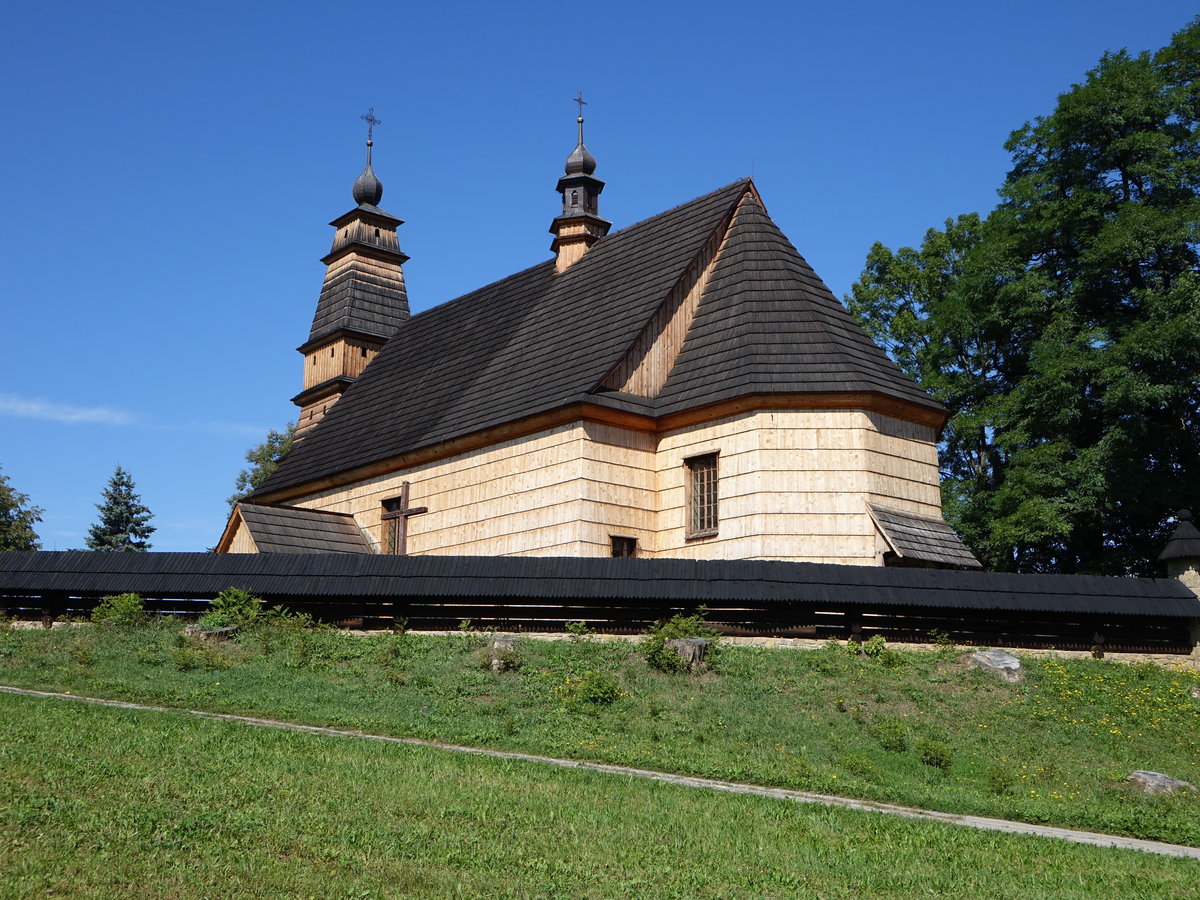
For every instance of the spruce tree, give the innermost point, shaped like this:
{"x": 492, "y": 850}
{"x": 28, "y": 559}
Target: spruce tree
{"x": 17, "y": 519}
{"x": 124, "y": 522}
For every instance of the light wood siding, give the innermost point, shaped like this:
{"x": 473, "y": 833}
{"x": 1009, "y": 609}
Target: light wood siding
{"x": 242, "y": 542}
{"x": 517, "y": 497}
{"x": 736, "y": 440}
{"x": 358, "y": 230}
{"x": 339, "y": 357}
{"x": 620, "y": 490}
{"x": 903, "y": 471}
{"x": 645, "y": 368}
{"x": 793, "y": 484}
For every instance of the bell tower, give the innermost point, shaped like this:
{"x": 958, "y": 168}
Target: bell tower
{"x": 363, "y": 299}
{"x": 580, "y": 224}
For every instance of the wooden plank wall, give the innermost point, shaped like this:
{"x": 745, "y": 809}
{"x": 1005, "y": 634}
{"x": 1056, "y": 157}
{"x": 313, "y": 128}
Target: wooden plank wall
{"x": 519, "y": 497}
{"x": 340, "y": 357}
{"x": 793, "y": 484}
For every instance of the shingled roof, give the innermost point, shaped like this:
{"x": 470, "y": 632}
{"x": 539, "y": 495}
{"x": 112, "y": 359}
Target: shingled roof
{"x": 1185, "y": 540}
{"x": 538, "y": 341}
{"x": 290, "y": 529}
{"x": 921, "y": 538}
{"x": 768, "y": 324}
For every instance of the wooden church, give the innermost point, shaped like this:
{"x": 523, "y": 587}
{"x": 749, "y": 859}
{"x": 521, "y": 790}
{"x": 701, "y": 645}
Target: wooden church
{"x": 683, "y": 387}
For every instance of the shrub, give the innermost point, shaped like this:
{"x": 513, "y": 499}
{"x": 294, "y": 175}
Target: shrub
{"x": 233, "y": 606}
{"x": 942, "y": 640}
{"x": 125, "y": 610}
{"x": 579, "y": 631}
{"x": 891, "y": 734}
{"x": 594, "y": 688}
{"x": 191, "y": 653}
{"x": 935, "y": 754}
{"x": 858, "y": 763}
{"x": 654, "y": 642}
{"x": 874, "y": 646}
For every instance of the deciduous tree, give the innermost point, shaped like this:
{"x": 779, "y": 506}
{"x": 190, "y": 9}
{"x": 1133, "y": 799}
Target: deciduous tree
{"x": 17, "y": 519}
{"x": 1063, "y": 331}
{"x": 264, "y": 459}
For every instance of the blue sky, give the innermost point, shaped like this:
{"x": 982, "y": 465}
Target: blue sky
{"x": 169, "y": 171}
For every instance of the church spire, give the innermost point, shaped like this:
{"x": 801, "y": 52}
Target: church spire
{"x": 363, "y": 300}
{"x": 580, "y": 225}
{"x": 368, "y": 189}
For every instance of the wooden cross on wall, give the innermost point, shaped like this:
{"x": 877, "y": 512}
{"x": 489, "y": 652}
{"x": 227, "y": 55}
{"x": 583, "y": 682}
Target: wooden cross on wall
{"x": 396, "y": 512}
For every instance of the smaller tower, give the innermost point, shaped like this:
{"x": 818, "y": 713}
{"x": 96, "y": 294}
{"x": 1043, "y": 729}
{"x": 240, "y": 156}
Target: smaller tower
{"x": 580, "y": 225}
{"x": 1182, "y": 553}
{"x": 363, "y": 299}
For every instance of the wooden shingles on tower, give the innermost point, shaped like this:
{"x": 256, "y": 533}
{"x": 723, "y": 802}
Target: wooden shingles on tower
{"x": 363, "y": 300}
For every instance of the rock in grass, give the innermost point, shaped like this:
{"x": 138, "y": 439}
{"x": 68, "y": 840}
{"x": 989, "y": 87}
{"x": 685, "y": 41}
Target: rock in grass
{"x": 693, "y": 651}
{"x": 1158, "y": 783}
{"x": 1003, "y": 665}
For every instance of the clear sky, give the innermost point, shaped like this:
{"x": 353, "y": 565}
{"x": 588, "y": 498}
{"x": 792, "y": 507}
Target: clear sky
{"x": 169, "y": 170}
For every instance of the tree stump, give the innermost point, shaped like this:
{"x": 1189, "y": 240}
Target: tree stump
{"x": 504, "y": 654}
{"x": 693, "y": 651}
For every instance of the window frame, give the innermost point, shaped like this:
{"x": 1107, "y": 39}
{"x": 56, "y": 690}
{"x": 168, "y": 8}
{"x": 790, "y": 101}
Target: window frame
{"x": 702, "y": 495}
{"x": 623, "y": 542}
{"x": 391, "y": 530}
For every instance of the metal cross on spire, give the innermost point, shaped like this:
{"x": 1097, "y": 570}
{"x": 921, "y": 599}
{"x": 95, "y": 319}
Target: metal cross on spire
{"x": 371, "y": 121}
{"x": 582, "y": 103}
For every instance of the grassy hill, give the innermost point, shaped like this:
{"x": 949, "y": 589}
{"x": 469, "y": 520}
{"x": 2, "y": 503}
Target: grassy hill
{"x": 921, "y": 729}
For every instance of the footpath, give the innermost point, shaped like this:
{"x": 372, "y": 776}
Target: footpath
{"x": 712, "y": 784}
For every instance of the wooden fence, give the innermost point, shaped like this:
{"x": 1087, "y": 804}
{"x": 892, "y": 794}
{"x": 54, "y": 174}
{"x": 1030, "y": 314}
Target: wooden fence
{"x": 1093, "y": 632}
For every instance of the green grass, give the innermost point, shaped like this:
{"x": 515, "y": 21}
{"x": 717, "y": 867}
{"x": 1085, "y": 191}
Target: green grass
{"x": 920, "y": 729}
{"x": 111, "y": 803}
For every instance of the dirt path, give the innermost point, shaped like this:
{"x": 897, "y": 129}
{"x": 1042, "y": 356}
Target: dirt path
{"x": 1004, "y": 825}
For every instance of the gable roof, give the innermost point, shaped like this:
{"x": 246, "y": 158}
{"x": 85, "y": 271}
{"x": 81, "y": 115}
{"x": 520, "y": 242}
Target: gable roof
{"x": 290, "y": 529}
{"x": 768, "y": 324}
{"x": 920, "y": 537}
{"x": 538, "y": 341}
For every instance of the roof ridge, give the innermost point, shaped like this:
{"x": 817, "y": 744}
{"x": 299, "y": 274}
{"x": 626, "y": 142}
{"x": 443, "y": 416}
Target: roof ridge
{"x": 746, "y": 180}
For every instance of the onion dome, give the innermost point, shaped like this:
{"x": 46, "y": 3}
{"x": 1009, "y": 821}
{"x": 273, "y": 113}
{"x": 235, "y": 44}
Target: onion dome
{"x": 581, "y": 162}
{"x": 368, "y": 189}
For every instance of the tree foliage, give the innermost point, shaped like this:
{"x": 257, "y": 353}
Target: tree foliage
{"x": 1063, "y": 330}
{"x": 17, "y": 519}
{"x": 264, "y": 459}
{"x": 124, "y": 522}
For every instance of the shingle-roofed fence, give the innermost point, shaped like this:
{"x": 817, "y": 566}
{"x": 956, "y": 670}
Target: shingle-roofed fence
{"x": 1069, "y": 612}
